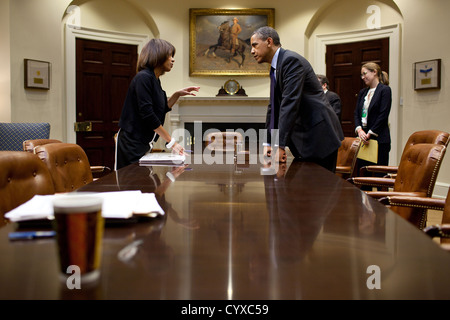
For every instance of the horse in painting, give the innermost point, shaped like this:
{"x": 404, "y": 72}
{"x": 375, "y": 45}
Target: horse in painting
{"x": 224, "y": 43}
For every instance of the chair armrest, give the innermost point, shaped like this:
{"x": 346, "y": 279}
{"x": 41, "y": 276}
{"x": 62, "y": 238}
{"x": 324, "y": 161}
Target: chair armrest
{"x": 414, "y": 202}
{"x": 382, "y": 194}
{"x": 364, "y": 171}
{"x": 99, "y": 169}
{"x": 372, "y": 181}
{"x": 440, "y": 231}
{"x": 343, "y": 169}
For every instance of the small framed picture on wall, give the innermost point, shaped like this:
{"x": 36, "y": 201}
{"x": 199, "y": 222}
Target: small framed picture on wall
{"x": 427, "y": 74}
{"x": 37, "y": 74}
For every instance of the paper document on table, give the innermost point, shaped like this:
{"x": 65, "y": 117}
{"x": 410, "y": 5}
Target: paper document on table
{"x": 162, "y": 158}
{"x": 116, "y": 205}
{"x": 369, "y": 152}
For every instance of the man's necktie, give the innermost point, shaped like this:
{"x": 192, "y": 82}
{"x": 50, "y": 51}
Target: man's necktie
{"x": 272, "y": 98}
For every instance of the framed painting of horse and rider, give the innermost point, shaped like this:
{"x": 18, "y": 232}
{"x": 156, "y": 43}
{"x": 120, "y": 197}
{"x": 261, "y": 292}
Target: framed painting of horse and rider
{"x": 219, "y": 41}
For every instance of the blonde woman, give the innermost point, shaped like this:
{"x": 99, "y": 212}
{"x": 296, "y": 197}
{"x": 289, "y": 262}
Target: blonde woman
{"x": 372, "y": 112}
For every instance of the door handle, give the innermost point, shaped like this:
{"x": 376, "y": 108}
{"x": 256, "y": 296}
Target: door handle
{"x": 83, "y": 126}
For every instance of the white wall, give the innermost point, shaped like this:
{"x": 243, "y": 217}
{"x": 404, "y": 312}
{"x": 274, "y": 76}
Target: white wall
{"x": 36, "y": 34}
{"x": 5, "y": 88}
{"x": 424, "y": 23}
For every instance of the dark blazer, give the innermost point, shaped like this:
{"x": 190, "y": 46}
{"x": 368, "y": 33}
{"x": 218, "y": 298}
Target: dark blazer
{"x": 335, "y": 102}
{"x": 307, "y": 124}
{"x": 378, "y": 112}
{"x": 145, "y": 107}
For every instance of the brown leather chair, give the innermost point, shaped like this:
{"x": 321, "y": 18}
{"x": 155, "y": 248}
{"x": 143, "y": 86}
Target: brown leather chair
{"x": 416, "y": 176}
{"x": 223, "y": 141}
{"x": 22, "y": 175}
{"x": 68, "y": 165}
{"x": 424, "y": 136}
{"x": 346, "y": 159}
{"x": 442, "y": 230}
{"x": 30, "y": 145}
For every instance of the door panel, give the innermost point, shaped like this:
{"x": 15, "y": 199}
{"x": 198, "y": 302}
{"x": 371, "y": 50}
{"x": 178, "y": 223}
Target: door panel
{"x": 344, "y": 63}
{"x": 104, "y": 71}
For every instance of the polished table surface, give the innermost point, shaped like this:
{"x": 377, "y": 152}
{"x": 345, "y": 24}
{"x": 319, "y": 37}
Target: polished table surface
{"x": 231, "y": 232}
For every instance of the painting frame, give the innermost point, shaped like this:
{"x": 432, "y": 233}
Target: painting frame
{"x": 427, "y": 74}
{"x": 37, "y": 74}
{"x": 204, "y": 33}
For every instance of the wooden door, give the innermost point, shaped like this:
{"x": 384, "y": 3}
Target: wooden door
{"x": 343, "y": 62}
{"x": 103, "y": 73}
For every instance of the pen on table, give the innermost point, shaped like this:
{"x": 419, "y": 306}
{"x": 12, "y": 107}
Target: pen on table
{"x": 29, "y": 235}
{"x": 187, "y": 150}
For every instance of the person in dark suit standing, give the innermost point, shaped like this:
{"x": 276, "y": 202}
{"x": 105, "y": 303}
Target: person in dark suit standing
{"x": 332, "y": 96}
{"x": 298, "y": 108}
{"x": 372, "y": 112}
{"x": 146, "y": 104}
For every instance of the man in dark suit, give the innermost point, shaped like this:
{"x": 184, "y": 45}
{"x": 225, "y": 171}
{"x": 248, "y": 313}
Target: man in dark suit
{"x": 298, "y": 108}
{"x": 333, "y": 97}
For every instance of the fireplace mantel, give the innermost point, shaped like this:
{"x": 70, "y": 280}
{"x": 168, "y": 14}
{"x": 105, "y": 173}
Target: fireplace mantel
{"x": 218, "y": 109}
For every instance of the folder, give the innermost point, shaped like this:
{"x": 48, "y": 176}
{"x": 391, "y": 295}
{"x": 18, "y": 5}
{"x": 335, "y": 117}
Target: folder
{"x": 369, "y": 152}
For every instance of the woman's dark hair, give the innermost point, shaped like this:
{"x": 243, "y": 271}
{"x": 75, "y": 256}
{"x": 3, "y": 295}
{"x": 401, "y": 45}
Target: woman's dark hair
{"x": 154, "y": 54}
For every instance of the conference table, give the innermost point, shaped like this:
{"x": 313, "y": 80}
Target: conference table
{"x": 241, "y": 231}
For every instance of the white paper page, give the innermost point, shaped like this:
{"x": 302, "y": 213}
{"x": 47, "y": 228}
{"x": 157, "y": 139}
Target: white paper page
{"x": 117, "y": 204}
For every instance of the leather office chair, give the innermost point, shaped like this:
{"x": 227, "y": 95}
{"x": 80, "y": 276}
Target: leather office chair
{"x": 22, "y": 175}
{"x": 416, "y": 177}
{"x": 346, "y": 159}
{"x": 68, "y": 165}
{"x": 12, "y": 135}
{"x": 223, "y": 141}
{"x": 30, "y": 145}
{"x": 424, "y": 136}
{"x": 442, "y": 230}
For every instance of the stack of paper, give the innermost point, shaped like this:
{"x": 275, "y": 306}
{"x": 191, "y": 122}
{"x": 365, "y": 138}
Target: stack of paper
{"x": 116, "y": 205}
{"x": 162, "y": 158}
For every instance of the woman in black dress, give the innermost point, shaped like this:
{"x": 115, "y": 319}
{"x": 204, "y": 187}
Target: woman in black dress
{"x": 146, "y": 104}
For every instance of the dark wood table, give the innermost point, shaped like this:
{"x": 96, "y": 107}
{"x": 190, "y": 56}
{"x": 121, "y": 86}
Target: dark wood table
{"x": 230, "y": 232}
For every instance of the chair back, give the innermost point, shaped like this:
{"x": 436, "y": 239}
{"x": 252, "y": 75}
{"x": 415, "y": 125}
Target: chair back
{"x": 67, "y": 163}
{"x": 12, "y": 135}
{"x": 346, "y": 159}
{"x": 424, "y": 136}
{"x": 223, "y": 141}
{"x": 29, "y": 145}
{"x": 22, "y": 175}
{"x": 427, "y": 136}
{"x": 417, "y": 172}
